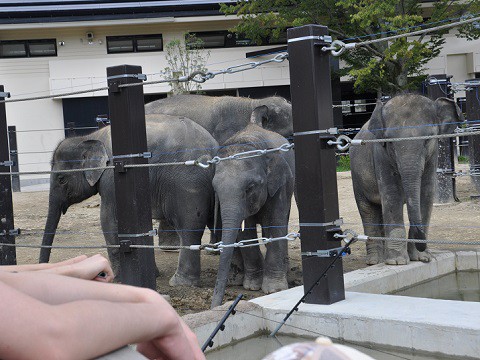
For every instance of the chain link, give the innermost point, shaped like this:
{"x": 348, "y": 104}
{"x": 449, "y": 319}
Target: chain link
{"x": 219, "y": 246}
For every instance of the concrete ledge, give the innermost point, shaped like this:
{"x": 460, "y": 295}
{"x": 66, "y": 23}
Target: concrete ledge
{"x": 387, "y": 320}
{"x": 366, "y": 316}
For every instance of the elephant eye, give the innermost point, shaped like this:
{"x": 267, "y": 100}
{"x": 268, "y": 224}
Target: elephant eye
{"x": 62, "y": 179}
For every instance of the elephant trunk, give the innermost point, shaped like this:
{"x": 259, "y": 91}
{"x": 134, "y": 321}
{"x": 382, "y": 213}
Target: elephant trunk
{"x": 412, "y": 179}
{"x": 232, "y": 218}
{"x": 53, "y": 217}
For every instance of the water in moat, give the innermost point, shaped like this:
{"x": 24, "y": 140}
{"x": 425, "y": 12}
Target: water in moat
{"x": 257, "y": 348}
{"x": 460, "y": 286}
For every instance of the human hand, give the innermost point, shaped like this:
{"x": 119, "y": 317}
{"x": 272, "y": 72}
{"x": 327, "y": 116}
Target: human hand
{"x": 95, "y": 267}
{"x": 179, "y": 344}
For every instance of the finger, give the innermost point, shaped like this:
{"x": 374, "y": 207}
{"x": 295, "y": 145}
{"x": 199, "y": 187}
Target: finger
{"x": 193, "y": 341}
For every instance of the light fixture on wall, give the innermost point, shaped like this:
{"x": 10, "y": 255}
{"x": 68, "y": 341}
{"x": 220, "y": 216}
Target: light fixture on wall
{"x": 89, "y": 35}
{"x": 61, "y": 43}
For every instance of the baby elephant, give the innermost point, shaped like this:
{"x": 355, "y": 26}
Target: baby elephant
{"x": 258, "y": 190}
{"x": 387, "y": 175}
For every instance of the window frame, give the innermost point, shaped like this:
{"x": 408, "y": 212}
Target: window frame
{"x": 26, "y": 45}
{"x": 134, "y": 39}
{"x": 230, "y": 39}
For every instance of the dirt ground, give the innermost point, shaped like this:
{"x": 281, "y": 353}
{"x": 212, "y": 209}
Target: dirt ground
{"x": 455, "y": 221}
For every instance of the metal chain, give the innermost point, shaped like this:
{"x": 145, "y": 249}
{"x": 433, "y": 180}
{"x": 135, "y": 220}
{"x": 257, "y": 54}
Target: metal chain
{"x": 219, "y": 246}
{"x": 214, "y": 160}
{"x": 343, "y": 142}
{"x": 443, "y": 242}
{"x": 338, "y": 47}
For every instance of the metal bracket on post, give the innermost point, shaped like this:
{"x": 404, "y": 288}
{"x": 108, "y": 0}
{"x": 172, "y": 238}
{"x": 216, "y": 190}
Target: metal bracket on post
{"x": 120, "y": 167}
{"x": 7, "y": 163}
{"x": 125, "y": 246}
{"x": 330, "y": 253}
{"x": 4, "y": 94}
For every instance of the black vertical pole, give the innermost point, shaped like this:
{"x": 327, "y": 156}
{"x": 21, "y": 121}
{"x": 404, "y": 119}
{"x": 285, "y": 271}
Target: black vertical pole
{"x": 473, "y": 119}
{"x": 439, "y": 86}
{"x": 8, "y": 254}
{"x": 12, "y": 141}
{"x": 314, "y": 159}
{"x": 132, "y": 189}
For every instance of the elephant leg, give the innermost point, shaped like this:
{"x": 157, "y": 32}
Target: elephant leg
{"x": 395, "y": 251}
{"x": 167, "y": 236}
{"x": 188, "y": 269}
{"x": 252, "y": 258}
{"x": 426, "y": 204}
{"x": 372, "y": 220}
{"x": 274, "y": 225}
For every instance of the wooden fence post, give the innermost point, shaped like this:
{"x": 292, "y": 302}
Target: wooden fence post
{"x": 8, "y": 254}
{"x": 473, "y": 119}
{"x": 438, "y": 86}
{"x": 12, "y": 145}
{"x": 132, "y": 186}
{"x": 316, "y": 177}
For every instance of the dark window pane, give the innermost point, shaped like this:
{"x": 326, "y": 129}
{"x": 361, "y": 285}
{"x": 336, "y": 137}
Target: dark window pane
{"x": 13, "y": 49}
{"x": 212, "y": 40}
{"x": 149, "y": 44}
{"x": 119, "y": 45}
{"x": 43, "y": 48}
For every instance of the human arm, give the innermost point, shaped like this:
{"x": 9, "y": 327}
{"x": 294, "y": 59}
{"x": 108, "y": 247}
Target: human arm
{"x": 94, "y": 320}
{"x": 81, "y": 267}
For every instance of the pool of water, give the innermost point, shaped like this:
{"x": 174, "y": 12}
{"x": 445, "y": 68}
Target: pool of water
{"x": 257, "y": 348}
{"x": 460, "y": 285}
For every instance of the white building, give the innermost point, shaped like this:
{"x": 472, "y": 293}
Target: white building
{"x": 57, "y": 47}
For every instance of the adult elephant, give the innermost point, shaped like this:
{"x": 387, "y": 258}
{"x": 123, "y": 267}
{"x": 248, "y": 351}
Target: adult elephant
{"x": 257, "y": 190}
{"x": 223, "y": 116}
{"x": 387, "y": 175}
{"x": 182, "y": 195}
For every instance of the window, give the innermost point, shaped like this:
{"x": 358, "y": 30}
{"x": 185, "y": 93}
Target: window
{"x": 134, "y": 43}
{"x": 28, "y": 48}
{"x": 360, "y": 106}
{"x": 225, "y": 39}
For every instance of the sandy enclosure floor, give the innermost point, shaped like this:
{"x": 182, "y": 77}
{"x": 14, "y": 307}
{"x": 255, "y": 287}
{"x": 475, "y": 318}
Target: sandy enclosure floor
{"x": 455, "y": 221}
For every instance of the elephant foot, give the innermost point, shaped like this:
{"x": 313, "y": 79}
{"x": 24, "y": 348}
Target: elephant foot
{"x": 253, "y": 281}
{"x": 397, "y": 260}
{"x": 374, "y": 259}
{"x": 181, "y": 280}
{"x": 236, "y": 278}
{"x": 415, "y": 255}
{"x": 271, "y": 285}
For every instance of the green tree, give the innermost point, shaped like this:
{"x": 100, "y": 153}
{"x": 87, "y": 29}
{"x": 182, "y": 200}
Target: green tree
{"x": 384, "y": 67}
{"x": 185, "y": 57}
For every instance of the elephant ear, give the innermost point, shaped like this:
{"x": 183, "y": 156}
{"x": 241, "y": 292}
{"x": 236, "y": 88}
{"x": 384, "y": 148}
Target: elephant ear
{"x": 376, "y": 125}
{"x": 259, "y": 115}
{"x": 94, "y": 155}
{"x": 278, "y": 172}
{"x": 448, "y": 114}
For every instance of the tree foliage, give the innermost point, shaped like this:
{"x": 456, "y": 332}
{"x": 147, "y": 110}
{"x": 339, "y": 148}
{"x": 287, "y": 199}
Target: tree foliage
{"x": 384, "y": 67}
{"x": 184, "y": 57}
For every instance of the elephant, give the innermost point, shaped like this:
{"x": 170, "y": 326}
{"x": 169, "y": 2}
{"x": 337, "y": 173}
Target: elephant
{"x": 259, "y": 191}
{"x": 181, "y": 195}
{"x": 387, "y": 175}
{"x": 223, "y": 116}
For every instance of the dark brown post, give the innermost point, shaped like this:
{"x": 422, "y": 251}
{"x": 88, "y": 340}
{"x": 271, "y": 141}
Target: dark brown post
{"x": 316, "y": 177}
{"x": 473, "y": 120}
{"x": 8, "y": 254}
{"x": 439, "y": 86}
{"x": 132, "y": 188}
{"x": 12, "y": 141}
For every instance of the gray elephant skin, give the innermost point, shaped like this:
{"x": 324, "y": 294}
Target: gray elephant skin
{"x": 223, "y": 116}
{"x": 388, "y": 175}
{"x": 183, "y": 195}
{"x": 259, "y": 191}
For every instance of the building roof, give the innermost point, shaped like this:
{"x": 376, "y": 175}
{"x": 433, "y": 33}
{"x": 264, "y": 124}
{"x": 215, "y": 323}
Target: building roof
{"x": 45, "y": 11}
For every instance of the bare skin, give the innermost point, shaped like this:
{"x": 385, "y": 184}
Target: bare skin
{"x": 60, "y": 317}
